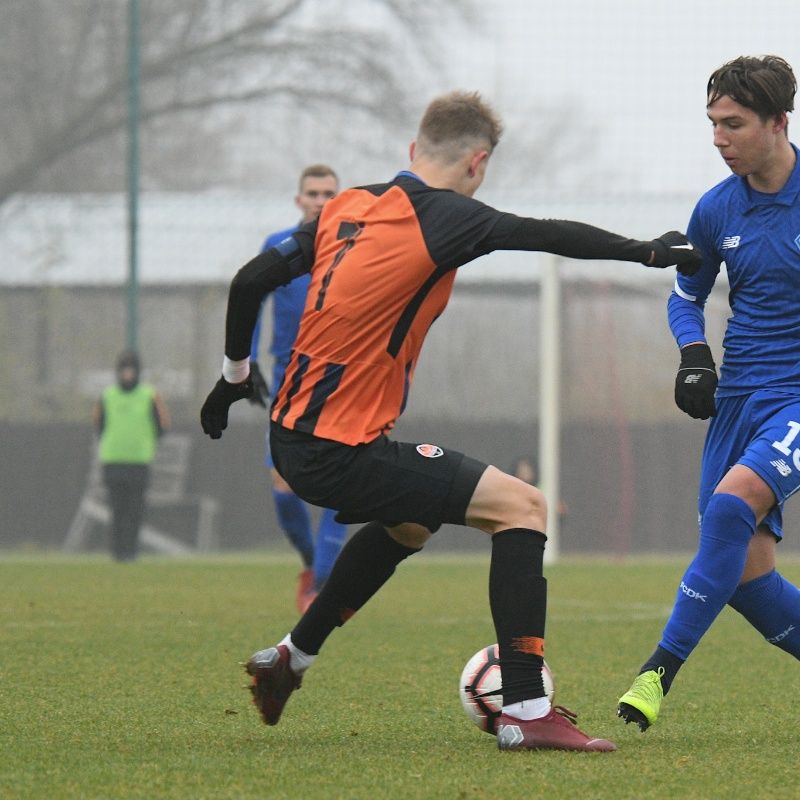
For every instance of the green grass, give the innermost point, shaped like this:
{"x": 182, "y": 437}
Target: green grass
{"x": 124, "y": 681}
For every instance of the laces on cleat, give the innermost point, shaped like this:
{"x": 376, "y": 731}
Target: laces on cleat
{"x": 566, "y": 713}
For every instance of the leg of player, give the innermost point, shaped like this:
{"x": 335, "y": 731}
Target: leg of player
{"x": 327, "y": 546}
{"x": 740, "y": 501}
{"x": 294, "y": 519}
{"x": 329, "y": 542}
{"x": 366, "y": 562}
{"x": 769, "y": 602}
{"x": 515, "y": 514}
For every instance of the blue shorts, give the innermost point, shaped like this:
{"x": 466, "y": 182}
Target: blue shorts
{"x": 760, "y": 431}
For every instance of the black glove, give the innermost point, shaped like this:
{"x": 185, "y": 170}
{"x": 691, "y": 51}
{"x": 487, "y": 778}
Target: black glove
{"x": 260, "y": 396}
{"x": 214, "y": 413}
{"x": 674, "y": 248}
{"x": 696, "y": 382}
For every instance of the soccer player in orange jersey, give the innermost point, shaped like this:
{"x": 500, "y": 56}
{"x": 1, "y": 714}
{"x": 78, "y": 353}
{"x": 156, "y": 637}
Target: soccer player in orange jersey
{"x": 382, "y": 260}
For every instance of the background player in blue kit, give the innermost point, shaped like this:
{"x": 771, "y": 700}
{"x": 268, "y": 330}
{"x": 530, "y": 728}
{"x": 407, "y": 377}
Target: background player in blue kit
{"x": 751, "y": 458}
{"x": 318, "y": 184}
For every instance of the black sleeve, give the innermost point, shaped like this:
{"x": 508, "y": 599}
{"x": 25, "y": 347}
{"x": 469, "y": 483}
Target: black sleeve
{"x": 256, "y": 279}
{"x": 564, "y": 238}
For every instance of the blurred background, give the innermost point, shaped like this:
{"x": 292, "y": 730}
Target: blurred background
{"x": 148, "y": 148}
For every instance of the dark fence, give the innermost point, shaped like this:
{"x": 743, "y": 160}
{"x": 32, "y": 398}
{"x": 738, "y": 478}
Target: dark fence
{"x": 629, "y": 461}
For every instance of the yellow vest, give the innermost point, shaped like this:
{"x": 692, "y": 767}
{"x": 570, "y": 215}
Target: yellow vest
{"x": 129, "y": 428}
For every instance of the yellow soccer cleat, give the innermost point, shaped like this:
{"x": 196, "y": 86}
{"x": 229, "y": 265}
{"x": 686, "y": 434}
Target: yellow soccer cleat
{"x": 641, "y": 703}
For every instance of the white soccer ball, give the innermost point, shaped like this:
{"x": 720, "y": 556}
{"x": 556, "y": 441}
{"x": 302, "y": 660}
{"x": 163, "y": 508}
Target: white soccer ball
{"x": 481, "y": 684}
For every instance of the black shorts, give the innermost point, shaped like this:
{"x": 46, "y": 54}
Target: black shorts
{"x": 384, "y": 481}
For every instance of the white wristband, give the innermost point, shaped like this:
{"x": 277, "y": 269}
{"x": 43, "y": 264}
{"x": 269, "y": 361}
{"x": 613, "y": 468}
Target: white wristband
{"x": 235, "y": 371}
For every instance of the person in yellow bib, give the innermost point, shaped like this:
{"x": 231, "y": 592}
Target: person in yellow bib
{"x": 129, "y": 418}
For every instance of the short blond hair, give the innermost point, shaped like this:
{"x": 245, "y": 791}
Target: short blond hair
{"x": 455, "y": 122}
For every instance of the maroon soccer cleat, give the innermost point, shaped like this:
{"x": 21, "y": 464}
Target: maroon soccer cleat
{"x": 555, "y": 731}
{"x": 273, "y": 681}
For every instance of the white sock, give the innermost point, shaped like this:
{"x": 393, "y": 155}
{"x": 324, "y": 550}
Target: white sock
{"x": 298, "y": 660}
{"x": 527, "y": 709}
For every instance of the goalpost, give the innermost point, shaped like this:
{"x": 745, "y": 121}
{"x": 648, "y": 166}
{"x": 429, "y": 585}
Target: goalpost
{"x": 549, "y": 397}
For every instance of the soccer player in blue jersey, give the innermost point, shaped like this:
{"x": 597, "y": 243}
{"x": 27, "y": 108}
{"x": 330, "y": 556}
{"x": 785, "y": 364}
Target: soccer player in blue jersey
{"x": 318, "y": 184}
{"x": 751, "y": 458}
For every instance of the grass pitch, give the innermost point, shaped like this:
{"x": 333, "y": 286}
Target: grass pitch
{"x": 124, "y": 681}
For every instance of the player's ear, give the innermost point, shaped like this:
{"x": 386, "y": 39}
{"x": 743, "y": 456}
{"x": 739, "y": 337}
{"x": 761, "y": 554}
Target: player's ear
{"x": 478, "y": 157}
{"x": 412, "y": 149}
{"x": 781, "y": 122}
{"x": 297, "y": 202}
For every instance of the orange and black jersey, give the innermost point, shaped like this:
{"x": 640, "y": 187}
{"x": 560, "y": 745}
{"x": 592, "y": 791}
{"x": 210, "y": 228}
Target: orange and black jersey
{"x": 382, "y": 260}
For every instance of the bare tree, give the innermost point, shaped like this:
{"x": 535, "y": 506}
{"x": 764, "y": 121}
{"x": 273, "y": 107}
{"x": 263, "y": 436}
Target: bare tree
{"x": 64, "y": 62}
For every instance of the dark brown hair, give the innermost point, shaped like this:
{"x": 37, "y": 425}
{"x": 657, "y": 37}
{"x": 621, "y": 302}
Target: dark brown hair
{"x": 765, "y": 85}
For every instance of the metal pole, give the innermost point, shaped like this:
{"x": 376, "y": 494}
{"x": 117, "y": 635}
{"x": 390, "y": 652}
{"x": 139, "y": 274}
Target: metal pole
{"x": 549, "y": 399}
{"x": 133, "y": 174}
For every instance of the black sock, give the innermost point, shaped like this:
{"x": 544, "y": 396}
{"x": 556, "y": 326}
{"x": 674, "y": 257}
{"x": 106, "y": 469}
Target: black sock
{"x": 670, "y": 662}
{"x": 518, "y": 599}
{"x": 366, "y": 562}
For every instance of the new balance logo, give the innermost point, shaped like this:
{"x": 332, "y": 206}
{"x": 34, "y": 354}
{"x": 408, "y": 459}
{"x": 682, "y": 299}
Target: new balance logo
{"x": 694, "y": 377}
{"x": 797, "y": 241}
{"x": 781, "y": 636}
{"x": 782, "y": 467}
{"x": 692, "y": 594}
{"x": 731, "y": 241}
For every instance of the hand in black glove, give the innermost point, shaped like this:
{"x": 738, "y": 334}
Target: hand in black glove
{"x": 214, "y": 413}
{"x": 674, "y": 248}
{"x": 696, "y": 382}
{"x": 260, "y": 396}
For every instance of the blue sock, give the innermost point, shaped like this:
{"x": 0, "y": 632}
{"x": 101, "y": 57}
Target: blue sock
{"x": 330, "y": 540}
{"x": 772, "y": 606}
{"x": 725, "y": 532}
{"x": 293, "y": 518}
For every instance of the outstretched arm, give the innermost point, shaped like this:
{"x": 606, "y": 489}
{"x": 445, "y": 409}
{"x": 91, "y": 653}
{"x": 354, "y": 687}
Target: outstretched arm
{"x": 579, "y": 240}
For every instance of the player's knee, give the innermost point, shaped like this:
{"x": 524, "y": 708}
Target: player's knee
{"x": 409, "y": 534}
{"x": 533, "y": 504}
{"x": 501, "y": 502}
{"x": 524, "y": 506}
{"x": 727, "y": 519}
{"x": 278, "y": 483}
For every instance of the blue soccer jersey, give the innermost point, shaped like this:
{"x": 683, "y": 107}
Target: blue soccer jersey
{"x": 758, "y": 237}
{"x": 288, "y": 303}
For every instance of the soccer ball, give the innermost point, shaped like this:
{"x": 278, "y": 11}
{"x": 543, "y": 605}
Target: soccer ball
{"x": 480, "y": 687}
